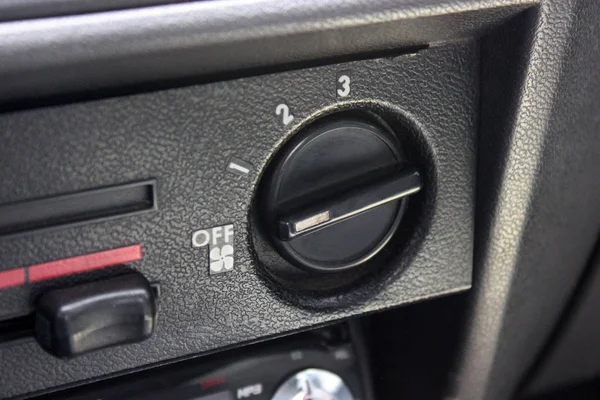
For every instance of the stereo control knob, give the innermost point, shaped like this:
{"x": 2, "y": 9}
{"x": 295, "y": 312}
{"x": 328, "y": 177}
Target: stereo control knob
{"x": 313, "y": 384}
{"x": 335, "y": 194}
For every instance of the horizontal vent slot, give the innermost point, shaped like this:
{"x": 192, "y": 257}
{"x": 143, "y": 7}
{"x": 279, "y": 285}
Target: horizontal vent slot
{"x": 78, "y": 208}
{"x": 17, "y": 328}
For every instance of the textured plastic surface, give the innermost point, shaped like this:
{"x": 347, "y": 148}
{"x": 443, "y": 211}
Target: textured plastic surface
{"x": 574, "y": 353}
{"x": 185, "y": 139}
{"x": 197, "y": 40}
{"x": 11, "y": 10}
{"x": 538, "y": 191}
{"x": 538, "y": 213}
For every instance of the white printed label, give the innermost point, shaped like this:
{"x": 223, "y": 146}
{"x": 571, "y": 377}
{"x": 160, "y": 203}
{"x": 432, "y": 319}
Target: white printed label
{"x": 343, "y": 82}
{"x": 239, "y": 167}
{"x": 250, "y": 390}
{"x": 220, "y": 247}
{"x": 283, "y": 111}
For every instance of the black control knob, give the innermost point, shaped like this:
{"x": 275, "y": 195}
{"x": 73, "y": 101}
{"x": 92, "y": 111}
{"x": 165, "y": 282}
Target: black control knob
{"x": 335, "y": 194}
{"x": 90, "y": 316}
{"x": 313, "y": 384}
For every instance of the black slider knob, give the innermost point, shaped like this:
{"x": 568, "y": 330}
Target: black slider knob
{"x": 91, "y": 316}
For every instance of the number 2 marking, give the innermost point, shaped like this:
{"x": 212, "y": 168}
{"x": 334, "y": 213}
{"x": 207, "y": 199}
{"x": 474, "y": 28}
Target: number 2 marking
{"x": 284, "y": 111}
{"x": 344, "y": 91}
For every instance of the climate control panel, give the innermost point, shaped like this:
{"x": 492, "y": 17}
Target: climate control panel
{"x": 232, "y": 212}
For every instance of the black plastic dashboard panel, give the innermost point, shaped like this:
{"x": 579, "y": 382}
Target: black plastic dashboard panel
{"x": 185, "y": 138}
{"x": 201, "y": 41}
{"x": 538, "y": 189}
{"x": 14, "y": 10}
{"x": 537, "y": 215}
{"x": 572, "y": 356}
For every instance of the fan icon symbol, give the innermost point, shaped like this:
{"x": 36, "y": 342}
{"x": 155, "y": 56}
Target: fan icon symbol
{"x": 221, "y": 258}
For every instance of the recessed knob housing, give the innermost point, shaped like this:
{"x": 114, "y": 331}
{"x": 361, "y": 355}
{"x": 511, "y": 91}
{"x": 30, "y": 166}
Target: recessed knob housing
{"x": 335, "y": 194}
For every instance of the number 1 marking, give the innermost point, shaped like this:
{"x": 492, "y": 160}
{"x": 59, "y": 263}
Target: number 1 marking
{"x": 284, "y": 111}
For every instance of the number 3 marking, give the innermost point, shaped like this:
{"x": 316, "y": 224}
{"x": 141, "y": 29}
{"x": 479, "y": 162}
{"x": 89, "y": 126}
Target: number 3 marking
{"x": 345, "y": 89}
{"x": 284, "y": 111}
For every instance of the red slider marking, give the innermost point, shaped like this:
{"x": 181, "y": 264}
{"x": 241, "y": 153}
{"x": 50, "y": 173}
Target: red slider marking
{"x": 12, "y": 277}
{"x": 211, "y": 382}
{"x": 84, "y": 263}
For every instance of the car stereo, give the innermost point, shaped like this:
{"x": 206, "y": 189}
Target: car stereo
{"x": 328, "y": 363}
